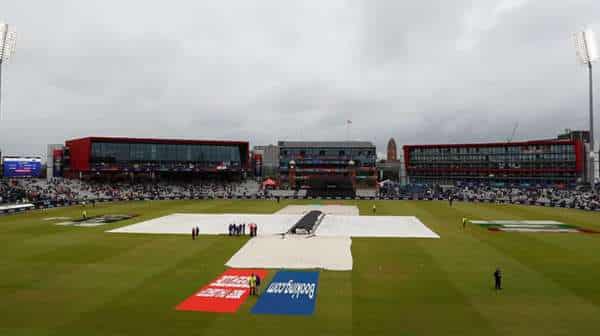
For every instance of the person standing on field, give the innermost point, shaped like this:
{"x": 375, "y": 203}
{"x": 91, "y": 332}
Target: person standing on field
{"x": 464, "y": 222}
{"x": 374, "y": 208}
{"x": 498, "y": 279}
{"x": 252, "y": 284}
{"x": 257, "y": 290}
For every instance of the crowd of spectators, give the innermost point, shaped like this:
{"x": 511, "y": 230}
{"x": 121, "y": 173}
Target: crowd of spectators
{"x": 10, "y": 193}
{"x": 542, "y": 195}
{"x": 60, "y": 190}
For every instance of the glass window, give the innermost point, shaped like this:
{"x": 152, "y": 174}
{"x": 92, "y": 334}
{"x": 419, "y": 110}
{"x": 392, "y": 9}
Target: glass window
{"x": 106, "y": 152}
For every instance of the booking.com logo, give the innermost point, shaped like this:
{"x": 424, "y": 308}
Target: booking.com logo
{"x": 294, "y": 289}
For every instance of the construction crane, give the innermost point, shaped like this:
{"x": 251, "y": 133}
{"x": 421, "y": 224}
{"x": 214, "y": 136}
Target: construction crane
{"x": 514, "y": 131}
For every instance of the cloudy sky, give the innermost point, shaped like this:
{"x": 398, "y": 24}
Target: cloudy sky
{"x": 420, "y": 71}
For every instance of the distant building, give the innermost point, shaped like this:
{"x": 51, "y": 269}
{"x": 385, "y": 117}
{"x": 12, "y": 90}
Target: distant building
{"x": 155, "y": 157}
{"x": 553, "y": 161}
{"x": 392, "y": 152}
{"x": 572, "y": 135}
{"x": 327, "y": 168}
{"x": 392, "y": 170}
{"x": 54, "y": 160}
{"x": 265, "y": 160}
{"x": 591, "y": 161}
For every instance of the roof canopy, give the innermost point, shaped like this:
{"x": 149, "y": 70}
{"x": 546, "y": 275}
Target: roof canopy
{"x": 326, "y": 144}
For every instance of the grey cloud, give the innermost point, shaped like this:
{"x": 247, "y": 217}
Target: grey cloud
{"x": 423, "y": 72}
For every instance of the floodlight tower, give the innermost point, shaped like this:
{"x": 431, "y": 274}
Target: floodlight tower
{"x": 8, "y": 38}
{"x": 587, "y": 52}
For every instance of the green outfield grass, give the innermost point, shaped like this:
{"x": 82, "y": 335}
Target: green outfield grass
{"x": 57, "y": 280}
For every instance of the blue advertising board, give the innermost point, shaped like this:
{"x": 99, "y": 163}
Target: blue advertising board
{"x": 22, "y": 167}
{"x": 289, "y": 293}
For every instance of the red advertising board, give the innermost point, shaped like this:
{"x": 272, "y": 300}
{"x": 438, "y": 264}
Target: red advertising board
{"x": 225, "y": 294}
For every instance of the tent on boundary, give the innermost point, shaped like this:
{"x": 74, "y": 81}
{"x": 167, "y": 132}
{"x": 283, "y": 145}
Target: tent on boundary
{"x": 269, "y": 183}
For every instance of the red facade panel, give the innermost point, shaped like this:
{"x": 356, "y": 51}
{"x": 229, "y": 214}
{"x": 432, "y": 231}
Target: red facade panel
{"x": 579, "y": 155}
{"x": 79, "y": 153}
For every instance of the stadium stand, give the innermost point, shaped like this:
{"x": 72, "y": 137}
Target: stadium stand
{"x": 287, "y": 193}
{"x": 532, "y": 195}
{"x": 10, "y": 193}
{"x": 368, "y": 193}
{"x": 331, "y": 186}
{"x": 60, "y": 192}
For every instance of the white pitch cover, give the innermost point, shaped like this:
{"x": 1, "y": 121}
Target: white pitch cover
{"x": 374, "y": 226}
{"x": 328, "y": 248}
{"x": 211, "y": 224}
{"x": 294, "y": 252}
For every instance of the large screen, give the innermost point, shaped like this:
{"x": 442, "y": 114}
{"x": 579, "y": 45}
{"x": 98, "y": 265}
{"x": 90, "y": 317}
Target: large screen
{"x": 22, "y": 166}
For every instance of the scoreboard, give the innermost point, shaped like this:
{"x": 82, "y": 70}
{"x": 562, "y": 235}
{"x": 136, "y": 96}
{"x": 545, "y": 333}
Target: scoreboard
{"x": 22, "y": 166}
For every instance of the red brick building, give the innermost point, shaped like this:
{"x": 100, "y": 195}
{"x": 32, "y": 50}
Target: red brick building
{"x": 114, "y": 155}
{"x": 543, "y": 161}
{"x": 392, "y": 151}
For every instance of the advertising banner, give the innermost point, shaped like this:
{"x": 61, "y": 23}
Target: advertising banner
{"x": 225, "y": 294}
{"x": 289, "y": 293}
{"x": 22, "y": 166}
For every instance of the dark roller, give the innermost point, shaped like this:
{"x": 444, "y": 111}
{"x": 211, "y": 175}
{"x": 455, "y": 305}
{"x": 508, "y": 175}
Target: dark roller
{"x": 307, "y": 223}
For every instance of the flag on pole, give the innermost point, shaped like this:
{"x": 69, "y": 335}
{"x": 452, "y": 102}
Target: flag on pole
{"x": 348, "y": 123}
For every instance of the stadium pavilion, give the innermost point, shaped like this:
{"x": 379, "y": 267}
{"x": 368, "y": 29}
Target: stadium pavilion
{"x": 554, "y": 161}
{"x": 154, "y": 158}
{"x": 327, "y": 168}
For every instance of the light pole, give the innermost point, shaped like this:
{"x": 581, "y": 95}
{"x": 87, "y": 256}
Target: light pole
{"x": 587, "y": 53}
{"x": 8, "y": 38}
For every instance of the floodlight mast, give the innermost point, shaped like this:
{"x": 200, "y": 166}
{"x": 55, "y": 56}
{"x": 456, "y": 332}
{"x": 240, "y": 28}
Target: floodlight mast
{"x": 7, "y": 47}
{"x": 585, "y": 45}
{"x": 4, "y": 32}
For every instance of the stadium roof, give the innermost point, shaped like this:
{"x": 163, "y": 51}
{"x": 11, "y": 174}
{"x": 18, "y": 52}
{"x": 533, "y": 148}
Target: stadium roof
{"x": 159, "y": 141}
{"x": 327, "y": 144}
{"x": 498, "y": 144}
